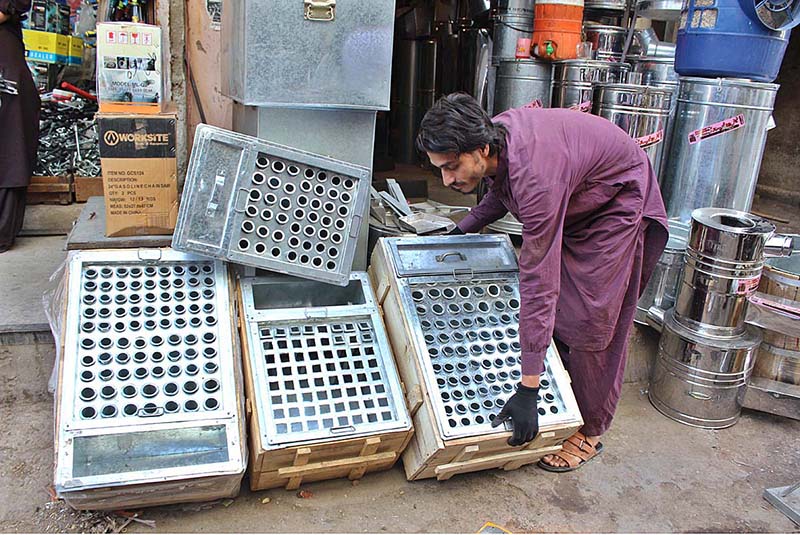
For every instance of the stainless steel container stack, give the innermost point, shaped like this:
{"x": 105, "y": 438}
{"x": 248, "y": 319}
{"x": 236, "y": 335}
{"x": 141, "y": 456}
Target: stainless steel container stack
{"x": 717, "y": 143}
{"x": 608, "y": 42}
{"x": 642, "y": 111}
{"x": 659, "y": 295}
{"x": 513, "y": 19}
{"x": 149, "y": 396}
{"x": 268, "y": 206}
{"x": 573, "y": 81}
{"x": 707, "y": 352}
{"x": 522, "y": 82}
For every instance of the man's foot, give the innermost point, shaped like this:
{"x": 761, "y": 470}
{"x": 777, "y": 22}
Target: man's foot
{"x": 576, "y": 451}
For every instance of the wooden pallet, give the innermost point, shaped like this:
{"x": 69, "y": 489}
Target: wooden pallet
{"x": 429, "y": 454}
{"x": 293, "y": 466}
{"x": 88, "y": 186}
{"x": 193, "y": 490}
{"x": 50, "y": 190}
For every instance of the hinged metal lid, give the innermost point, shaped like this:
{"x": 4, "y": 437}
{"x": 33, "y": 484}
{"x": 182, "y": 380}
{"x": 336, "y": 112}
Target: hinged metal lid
{"x": 457, "y": 255}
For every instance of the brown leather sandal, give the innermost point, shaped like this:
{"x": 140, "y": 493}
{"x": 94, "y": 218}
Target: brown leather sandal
{"x": 576, "y": 452}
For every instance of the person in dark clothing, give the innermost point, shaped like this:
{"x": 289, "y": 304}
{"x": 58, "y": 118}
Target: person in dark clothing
{"x": 19, "y": 123}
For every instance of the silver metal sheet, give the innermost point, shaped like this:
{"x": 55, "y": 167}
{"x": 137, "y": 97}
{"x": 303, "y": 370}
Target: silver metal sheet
{"x": 322, "y": 363}
{"x": 147, "y": 353}
{"x": 272, "y": 55}
{"x": 467, "y": 333}
{"x": 463, "y": 255}
{"x": 272, "y": 207}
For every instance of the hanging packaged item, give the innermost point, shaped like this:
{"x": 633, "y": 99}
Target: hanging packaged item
{"x": 130, "y": 68}
{"x": 149, "y": 402}
{"x": 452, "y": 304}
{"x": 270, "y": 206}
{"x": 325, "y": 396}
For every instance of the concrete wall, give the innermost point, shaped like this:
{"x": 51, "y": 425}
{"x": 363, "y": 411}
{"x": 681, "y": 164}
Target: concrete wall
{"x": 779, "y": 175}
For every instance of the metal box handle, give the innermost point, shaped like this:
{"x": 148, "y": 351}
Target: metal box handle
{"x": 319, "y": 10}
{"x": 216, "y": 193}
{"x": 343, "y": 429}
{"x": 442, "y": 257}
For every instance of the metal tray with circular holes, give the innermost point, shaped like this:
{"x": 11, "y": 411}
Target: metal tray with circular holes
{"x": 324, "y": 372}
{"x": 272, "y": 207}
{"x": 148, "y": 344}
{"x": 467, "y": 336}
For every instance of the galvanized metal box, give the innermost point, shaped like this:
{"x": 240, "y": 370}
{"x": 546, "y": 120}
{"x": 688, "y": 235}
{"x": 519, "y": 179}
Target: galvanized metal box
{"x": 324, "y": 394}
{"x": 451, "y": 306}
{"x": 150, "y": 396}
{"x": 308, "y": 53}
{"x": 269, "y": 206}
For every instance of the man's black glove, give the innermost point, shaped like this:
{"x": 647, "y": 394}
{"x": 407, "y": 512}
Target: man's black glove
{"x": 521, "y": 408}
{"x": 455, "y": 232}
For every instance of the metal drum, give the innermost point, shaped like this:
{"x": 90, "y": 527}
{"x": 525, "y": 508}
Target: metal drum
{"x": 717, "y": 143}
{"x": 512, "y": 20}
{"x": 604, "y": 5}
{"x": 781, "y": 278}
{"x": 723, "y": 265}
{"x": 573, "y": 79}
{"x": 608, "y": 42}
{"x": 660, "y": 9}
{"x": 701, "y": 381}
{"x": 522, "y": 82}
{"x": 642, "y": 111}
{"x": 657, "y": 71}
{"x": 659, "y": 295}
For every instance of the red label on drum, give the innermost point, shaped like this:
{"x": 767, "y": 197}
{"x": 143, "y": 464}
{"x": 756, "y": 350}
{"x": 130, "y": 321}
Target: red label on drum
{"x": 649, "y": 140}
{"x": 534, "y": 104}
{"x": 747, "y": 286}
{"x": 716, "y": 129}
{"x": 584, "y": 106}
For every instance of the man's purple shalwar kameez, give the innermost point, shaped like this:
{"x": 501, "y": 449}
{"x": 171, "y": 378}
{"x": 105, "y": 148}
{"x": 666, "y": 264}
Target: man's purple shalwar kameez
{"x": 594, "y": 226}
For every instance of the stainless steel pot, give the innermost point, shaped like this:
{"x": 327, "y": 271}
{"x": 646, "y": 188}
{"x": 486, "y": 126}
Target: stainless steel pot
{"x": 522, "y": 81}
{"x": 604, "y": 5}
{"x": 510, "y": 25}
{"x": 717, "y": 143}
{"x": 724, "y": 259}
{"x": 608, "y": 42}
{"x": 658, "y": 71}
{"x": 701, "y": 381}
{"x": 642, "y": 111}
{"x": 661, "y": 289}
{"x": 573, "y": 79}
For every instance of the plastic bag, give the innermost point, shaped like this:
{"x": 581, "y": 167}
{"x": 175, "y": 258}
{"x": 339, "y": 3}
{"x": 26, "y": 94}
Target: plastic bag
{"x": 53, "y": 300}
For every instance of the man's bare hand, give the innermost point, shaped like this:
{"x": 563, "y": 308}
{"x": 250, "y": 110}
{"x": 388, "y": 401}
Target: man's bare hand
{"x": 3, "y": 17}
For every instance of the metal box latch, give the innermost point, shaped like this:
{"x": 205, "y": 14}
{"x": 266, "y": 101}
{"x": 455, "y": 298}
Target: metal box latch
{"x": 319, "y": 10}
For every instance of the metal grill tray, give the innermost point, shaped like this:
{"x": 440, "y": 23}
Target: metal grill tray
{"x": 148, "y": 343}
{"x": 268, "y": 206}
{"x": 321, "y": 372}
{"x": 468, "y": 340}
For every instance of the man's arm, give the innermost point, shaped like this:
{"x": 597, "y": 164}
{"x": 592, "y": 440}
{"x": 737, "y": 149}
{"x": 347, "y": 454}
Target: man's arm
{"x": 489, "y": 210}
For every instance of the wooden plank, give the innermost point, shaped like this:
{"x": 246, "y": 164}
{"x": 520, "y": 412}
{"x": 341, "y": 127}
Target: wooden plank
{"x": 415, "y": 398}
{"x": 89, "y": 231}
{"x": 370, "y": 447}
{"x": 298, "y": 472}
{"x": 88, "y": 186}
{"x": 511, "y": 459}
{"x": 300, "y": 460}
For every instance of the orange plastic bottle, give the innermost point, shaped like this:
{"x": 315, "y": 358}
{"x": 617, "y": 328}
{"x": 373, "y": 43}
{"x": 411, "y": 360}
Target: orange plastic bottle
{"x": 557, "y": 26}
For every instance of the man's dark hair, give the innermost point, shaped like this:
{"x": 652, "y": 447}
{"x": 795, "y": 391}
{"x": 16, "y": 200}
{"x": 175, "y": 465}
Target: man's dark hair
{"x": 457, "y": 123}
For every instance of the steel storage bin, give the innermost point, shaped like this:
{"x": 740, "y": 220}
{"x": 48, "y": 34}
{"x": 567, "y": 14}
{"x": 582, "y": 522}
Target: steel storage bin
{"x": 295, "y": 54}
{"x": 522, "y": 82}
{"x": 513, "y": 20}
{"x": 701, "y": 381}
{"x": 149, "y": 397}
{"x": 452, "y": 310}
{"x": 717, "y": 142}
{"x": 642, "y": 111}
{"x": 324, "y": 394}
{"x": 608, "y": 42}
{"x": 659, "y": 294}
{"x": 573, "y": 81}
{"x": 269, "y": 206}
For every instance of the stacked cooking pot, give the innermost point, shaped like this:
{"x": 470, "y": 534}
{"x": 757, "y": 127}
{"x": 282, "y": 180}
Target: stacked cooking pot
{"x": 706, "y": 353}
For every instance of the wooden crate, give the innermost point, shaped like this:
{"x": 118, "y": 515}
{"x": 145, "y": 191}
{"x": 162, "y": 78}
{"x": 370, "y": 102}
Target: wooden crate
{"x": 293, "y": 466}
{"x": 88, "y": 186}
{"x": 192, "y": 490}
{"x": 429, "y": 454}
{"x": 50, "y": 190}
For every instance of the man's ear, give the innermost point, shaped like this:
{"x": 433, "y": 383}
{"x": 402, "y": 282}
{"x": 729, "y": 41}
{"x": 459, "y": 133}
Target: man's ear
{"x": 485, "y": 151}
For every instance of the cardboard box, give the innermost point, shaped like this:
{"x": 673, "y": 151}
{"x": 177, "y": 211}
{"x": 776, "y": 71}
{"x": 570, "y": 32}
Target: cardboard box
{"x": 75, "y": 50}
{"x": 137, "y": 155}
{"x": 130, "y": 76}
{"x": 46, "y": 47}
